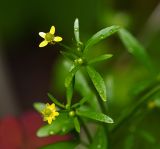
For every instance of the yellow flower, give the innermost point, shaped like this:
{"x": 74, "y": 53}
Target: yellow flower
{"x": 49, "y": 113}
{"x": 49, "y": 37}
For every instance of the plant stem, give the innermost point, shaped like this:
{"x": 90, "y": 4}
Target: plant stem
{"x": 105, "y": 125}
{"x": 86, "y": 130}
{"x": 133, "y": 110}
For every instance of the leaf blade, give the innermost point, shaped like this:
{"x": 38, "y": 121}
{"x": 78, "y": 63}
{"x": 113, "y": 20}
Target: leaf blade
{"x": 135, "y": 48}
{"x": 54, "y": 100}
{"x": 89, "y": 113}
{"x": 77, "y": 125}
{"x": 60, "y": 145}
{"x": 61, "y": 125}
{"x": 99, "y": 140}
{"x": 98, "y": 82}
{"x": 70, "y": 76}
{"x": 39, "y": 106}
{"x": 102, "y": 34}
{"x": 100, "y": 58}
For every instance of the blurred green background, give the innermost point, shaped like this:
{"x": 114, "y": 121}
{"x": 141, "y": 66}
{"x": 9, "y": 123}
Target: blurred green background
{"x": 28, "y": 72}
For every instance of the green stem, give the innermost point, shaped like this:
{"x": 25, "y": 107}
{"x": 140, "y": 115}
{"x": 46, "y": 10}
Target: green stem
{"x": 105, "y": 125}
{"x": 65, "y": 46}
{"x": 133, "y": 110}
{"x": 86, "y": 130}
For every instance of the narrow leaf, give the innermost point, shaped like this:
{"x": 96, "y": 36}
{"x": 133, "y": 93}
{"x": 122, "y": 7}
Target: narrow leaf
{"x": 129, "y": 142}
{"x": 39, "y": 106}
{"x": 83, "y": 100}
{"x": 68, "y": 55}
{"x": 100, "y": 58}
{"x": 89, "y": 113}
{"x": 70, "y": 76}
{"x": 55, "y": 100}
{"x": 102, "y": 34}
{"x": 76, "y": 124}
{"x": 135, "y": 48}
{"x": 61, "y": 125}
{"x": 99, "y": 140}
{"x": 69, "y": 92}
{"x": 98, "y": 82}
{"x": 61, "y": 145}
{"x": 76, "y": 30}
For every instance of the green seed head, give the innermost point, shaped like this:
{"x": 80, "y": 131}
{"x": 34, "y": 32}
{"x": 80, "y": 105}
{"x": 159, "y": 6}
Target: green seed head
{"x": 71, "y": 113}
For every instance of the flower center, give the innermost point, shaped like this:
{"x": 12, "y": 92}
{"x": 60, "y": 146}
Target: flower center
{"x": 49, "y": 37}
{"x": 48, "y": 112}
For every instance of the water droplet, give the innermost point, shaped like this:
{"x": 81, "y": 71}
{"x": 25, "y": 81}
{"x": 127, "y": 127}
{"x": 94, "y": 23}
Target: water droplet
{"x": 51, "y": 132}
{"x": 63, "y": 129}
{"x": 76, "y": 29}
{"x": 102, "y": 37}
{"x": 99, "y": 146}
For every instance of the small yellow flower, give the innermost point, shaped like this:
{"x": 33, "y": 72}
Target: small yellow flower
{"x": 49, "y": 37}
{"x": 49, "y": 113}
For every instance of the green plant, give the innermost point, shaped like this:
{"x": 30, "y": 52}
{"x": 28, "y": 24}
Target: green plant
{"x": 91, "y": 108}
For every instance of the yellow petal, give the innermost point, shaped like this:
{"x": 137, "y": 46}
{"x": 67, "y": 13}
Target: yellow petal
{"x": 42, "y": 34}
{"x": 56, "y": 113}
{"x": 49, "y": 120}
{"x": 52, "y": 30}
{"x": 57, "y": 39}
{"x": 43, "y": 43}
{"x": 52, "y": 106}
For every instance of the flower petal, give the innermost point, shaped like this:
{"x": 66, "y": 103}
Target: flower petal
{"x": 52, "y": 106}
{"x": 43, "y": 43}
{"x": 56, "y": 113}
{"x": 52, "y": 30}
{"x": 42, "y": 34}
{"x": 57, "y": 39}
{"x": 49, "y": 120}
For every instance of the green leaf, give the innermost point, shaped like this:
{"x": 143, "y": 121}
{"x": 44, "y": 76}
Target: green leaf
{"x": 135, "y": 48}
{"x": 69, "y": 92}
{"x": 61, "y": 125}
{"x": 76, "y": 30}
{"x": 70, "y": 76}
{"x": 102, "y": 34}
{"x": 99, "y": 140}
{"x": 147, "y": 136}
{"x": 129, "y": 142}
{"x": 98, "y": 82}
{"x": 100, "y": 58}
{"x": 89, "y": 113}
{"x": 61, "y": 145}
{"x": 76, "y": 124}
{"x": 55, "y": 101}
{"x": 68, "y": 55}
{"x": 39, "y": 106}
{"x": 83, "y": 100}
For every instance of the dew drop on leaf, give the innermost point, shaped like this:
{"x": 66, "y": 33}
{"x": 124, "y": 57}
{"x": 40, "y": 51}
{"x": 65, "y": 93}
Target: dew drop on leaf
{"x": 51, "y": 132}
